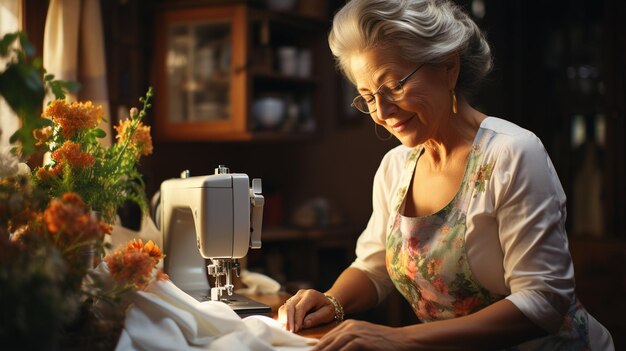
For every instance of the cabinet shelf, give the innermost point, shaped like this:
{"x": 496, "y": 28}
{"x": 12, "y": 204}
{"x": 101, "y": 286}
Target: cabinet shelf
{"x": 279, "y": 77}
{"x": 213, "y": 62}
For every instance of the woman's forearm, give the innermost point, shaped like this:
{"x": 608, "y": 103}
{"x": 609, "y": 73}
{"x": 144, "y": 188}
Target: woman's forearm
{"x": 354, "y": 290}
{"x": 495, "y": 327}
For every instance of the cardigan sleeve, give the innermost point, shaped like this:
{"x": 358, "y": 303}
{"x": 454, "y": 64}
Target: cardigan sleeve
{"x": 530, "y": 213}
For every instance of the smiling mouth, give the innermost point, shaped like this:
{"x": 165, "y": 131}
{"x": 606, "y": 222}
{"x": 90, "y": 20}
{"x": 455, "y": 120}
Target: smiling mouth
{"x": 398, "y": 127}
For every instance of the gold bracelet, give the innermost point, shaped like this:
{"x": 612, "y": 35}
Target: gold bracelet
{"x": 337, "y": 306}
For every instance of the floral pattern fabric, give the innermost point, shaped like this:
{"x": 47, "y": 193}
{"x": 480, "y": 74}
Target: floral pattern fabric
{"x": 427, "y": 262}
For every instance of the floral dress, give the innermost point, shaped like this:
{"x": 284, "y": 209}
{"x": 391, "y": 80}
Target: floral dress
{"x": 427, "y": 262}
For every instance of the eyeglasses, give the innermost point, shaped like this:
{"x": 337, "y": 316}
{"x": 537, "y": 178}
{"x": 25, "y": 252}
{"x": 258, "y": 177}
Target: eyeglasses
{"x": 391, "y": 91}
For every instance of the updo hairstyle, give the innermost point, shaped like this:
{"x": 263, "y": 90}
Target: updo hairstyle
{"x": 418, "y": 30}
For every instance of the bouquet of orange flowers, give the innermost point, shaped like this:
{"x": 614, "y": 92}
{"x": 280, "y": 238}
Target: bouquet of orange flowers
{"x": 47, "y": 289}
{"x": 43, "y": 262}
{"x": 104, "y": 177}
{"x": 50, "y": 230}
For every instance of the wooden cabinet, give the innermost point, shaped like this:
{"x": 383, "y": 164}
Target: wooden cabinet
{"x": 235, "y": 72}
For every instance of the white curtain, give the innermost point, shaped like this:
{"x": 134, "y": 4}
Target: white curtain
{"x": 10, "y": 20}
{"x": 74, "y": 50}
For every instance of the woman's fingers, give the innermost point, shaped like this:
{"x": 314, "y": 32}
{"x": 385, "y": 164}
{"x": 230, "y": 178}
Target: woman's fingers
{"x": 304, "y": 305}
{"x": 305, "y": 309}
{"x": 360, "y": 335}
{"x": 286, "y": 315}
{"x": 322, "y": 315}
{"x": 335, "y": 340}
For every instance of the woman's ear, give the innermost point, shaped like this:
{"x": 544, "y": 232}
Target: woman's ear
{"x": 453, "y": 67}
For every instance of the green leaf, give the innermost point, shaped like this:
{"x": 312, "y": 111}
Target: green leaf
{"x": 99, "y": 133}
{"x": 57, "y": 89}
{"x": 60, "y": 87}
{"x": 6, "y": 43}
{"x": 70, "y": 86}
{"x": 26, "y": 139}
{"x": 42, "y": 122}
{"x": 38, "y": 63}
{"x": 25, "y": 134}
{"x": 22, "y": 89}
{"x": 26, "y": 46}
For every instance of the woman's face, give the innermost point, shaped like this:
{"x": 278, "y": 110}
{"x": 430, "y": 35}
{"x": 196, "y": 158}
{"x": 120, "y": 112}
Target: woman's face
{"x": 425, "y": 104}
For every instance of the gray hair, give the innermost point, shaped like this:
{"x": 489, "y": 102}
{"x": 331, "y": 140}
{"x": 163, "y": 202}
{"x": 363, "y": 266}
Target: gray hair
{"x": 426, "y": 31}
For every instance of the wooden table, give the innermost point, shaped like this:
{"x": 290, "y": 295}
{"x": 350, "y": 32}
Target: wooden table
{"x": 276, "y": 300}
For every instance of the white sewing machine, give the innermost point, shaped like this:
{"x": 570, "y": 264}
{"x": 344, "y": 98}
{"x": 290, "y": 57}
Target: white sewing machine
{"x": 216, "y": 217}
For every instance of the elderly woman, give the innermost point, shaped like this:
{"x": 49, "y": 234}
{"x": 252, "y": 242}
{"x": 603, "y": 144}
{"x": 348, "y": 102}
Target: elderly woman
{"x": 468, "y": 217}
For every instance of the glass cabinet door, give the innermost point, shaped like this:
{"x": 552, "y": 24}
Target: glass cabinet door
{"x": 198, "y": 66}
{"x": 200, "y": 86}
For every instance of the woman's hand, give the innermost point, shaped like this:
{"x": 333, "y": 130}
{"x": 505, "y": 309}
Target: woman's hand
{"x": 307, "y": 308}
{"x": 360, "y": 335}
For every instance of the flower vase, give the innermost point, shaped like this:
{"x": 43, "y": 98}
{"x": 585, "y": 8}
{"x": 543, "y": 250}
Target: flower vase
{"x": 91, "y": 255}
{"x": 92, "y": 331}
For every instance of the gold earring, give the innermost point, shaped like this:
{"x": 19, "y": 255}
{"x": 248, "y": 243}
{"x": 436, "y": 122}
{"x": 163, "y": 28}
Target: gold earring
{"x": 454, "y": 105}
{"x": 378, "y": 135}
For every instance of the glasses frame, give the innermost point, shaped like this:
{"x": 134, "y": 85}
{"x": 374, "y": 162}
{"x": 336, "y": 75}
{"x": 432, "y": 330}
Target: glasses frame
{"x": 401, "y": 83}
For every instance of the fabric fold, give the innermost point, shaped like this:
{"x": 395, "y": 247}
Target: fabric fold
{"x": 163, "y": 317}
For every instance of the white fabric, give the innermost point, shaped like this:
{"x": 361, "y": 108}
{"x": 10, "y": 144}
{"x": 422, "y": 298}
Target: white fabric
{"x": 257, "y": 283}
{"x": 165, "y": 318}
{"x": 515, "y": 239}
{"x": 74, "y": 51}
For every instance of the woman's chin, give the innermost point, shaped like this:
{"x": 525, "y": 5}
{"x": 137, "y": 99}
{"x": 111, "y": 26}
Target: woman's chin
{"x": 408, "y": 140}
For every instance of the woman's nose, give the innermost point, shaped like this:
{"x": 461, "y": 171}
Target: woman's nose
{"x": 384, "y": 107}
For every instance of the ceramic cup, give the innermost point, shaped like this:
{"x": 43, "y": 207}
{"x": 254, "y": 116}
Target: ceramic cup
{"x": 288, "y": 60}
{"x": 268, "y": 112}
{"x": 305, "y": 63}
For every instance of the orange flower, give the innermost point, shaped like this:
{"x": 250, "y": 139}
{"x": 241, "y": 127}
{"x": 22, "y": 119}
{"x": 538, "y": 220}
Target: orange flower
{"x": 133, "y": 264}
{"x": 141, "y": 140}
{"x": 69, "y": 221}
{"x": 74, "y": 155}
{"x": 130, "y": 267}
{"x": 106, "y": 228}
{"x": 162, "y": 276}
{"x": 45, "y": 174}
{"x": 59, "y": 215}
{"x": 134, "y": 245}
{"x": 42, "y": 135}
{"x": 75, "y": 116}
{"x": 153, "y": 250}
{"x": 122, "y": 129}
{"x": 73, "y": 199}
